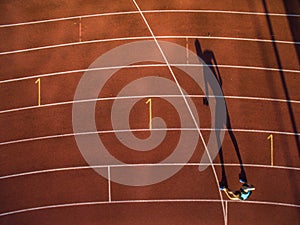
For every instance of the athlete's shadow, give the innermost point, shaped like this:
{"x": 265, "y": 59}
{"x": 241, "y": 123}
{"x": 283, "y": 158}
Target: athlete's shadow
{"x": 209, "y": 58}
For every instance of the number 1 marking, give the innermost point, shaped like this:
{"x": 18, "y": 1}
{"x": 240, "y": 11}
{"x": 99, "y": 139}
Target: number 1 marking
{"x": 149, "y": 101}
{"x": 187, "y": 49}
{"x": 272, "y": 148}
{"x": 80, "y": 29}
{"x": 38, "y": 81}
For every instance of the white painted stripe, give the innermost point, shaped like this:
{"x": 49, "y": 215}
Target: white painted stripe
{"x": 144, "y": 96}
{"x": 145, "y": 130}
{"x": 149, "y": 11}
{"x": 79, "y": 204}
{"x": 240, "y": 67}
{"x": 145, "y": 37}
{"x": 50, "y": 171}
{"x": 186, "y": 103}
{"x": 269, "y": 203}
{"x": 226, "y": 210}
{"x": 216, "y": 164}
{"x": 221, "y": 12}
{"x": 260, "y": 131}
{"x": 68, "y": 18}
{"x": 71, "y": 44}
{"x": 251, "y": 98}
{"x": 143, "y": 66}
{"x": 140, "y": 165}
{"x": 80, "y": 71}
{"x": 230, "y": 39}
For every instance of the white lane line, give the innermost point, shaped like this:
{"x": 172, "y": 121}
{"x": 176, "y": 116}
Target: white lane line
{"x": 71, "y": 44}
{"x": 144, "y": 96}
{"x": 139, "y": 165}
{"x": 79, "y": 71}
{"x": 50, "y": 171}
{"x": 230, "y": 39}
{"x": 258, "y": 131}
{"x": 68, "y": 18}
{"x": 253, "y": 98}
{"x": 145, "y": 37}
{"x": 268, "y": 203}
{"x": 226, "y": 210}
{"x": 221, "y": 11}
{"x": 150, "y": 11}
{"x": 145, "y": 130}
{"x": 257, "y": 68}
{"x": 144, "y": 201}
{"x": 186, "y": 103}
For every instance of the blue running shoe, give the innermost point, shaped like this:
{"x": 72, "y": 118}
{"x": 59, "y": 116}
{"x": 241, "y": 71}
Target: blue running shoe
{"x": 242, "y": 180}
{"x": 222, "y": 187}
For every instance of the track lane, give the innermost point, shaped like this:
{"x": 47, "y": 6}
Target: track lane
{"x": 54, "y": 188}
{"x": 109, "y": 212}
{"x": 131, "y": 213}
{"x": 19, "y": 11}
{"x": 39, "y": 35}
{"x": 274, "y": 6}
{"x": 81, "y": 56}
{"x": 164, "y": 190}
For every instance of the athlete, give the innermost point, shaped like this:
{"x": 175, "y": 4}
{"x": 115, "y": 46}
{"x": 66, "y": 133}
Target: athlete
{"x": 245, "y": 191}
{"x": 242, "y": 194}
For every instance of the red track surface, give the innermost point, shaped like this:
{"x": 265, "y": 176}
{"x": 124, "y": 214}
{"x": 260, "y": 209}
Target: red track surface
{"x": 81, "y": 196}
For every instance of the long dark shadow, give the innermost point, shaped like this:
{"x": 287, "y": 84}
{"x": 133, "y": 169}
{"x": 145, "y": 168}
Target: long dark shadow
{"x": 210, "y": 60}
{"x": 283, "y": 81}
{"x": 290, "y": 6}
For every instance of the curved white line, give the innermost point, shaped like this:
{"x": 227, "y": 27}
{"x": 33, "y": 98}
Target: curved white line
{"x": 241, "y": 67}
{"x": 259, "y": 131}
{"x": 140, "y": 165}
{"x": 222, "y": 12}
{"x": 144, "y": 130}
{"x": 267, "y": 203}
{"x": 71, "y": 44}
{"x": 148, "y": 96}
{"x": 79, "y": 71}
{"x": 68, "y": 18}
{"x": 185, "y": 101}
{"x": 231, "y": 39}
{"x": 144, "y": 201}
{"x": 142, "y": 38}
{"x": 149, "y": 11}
{"x": 143, "y": 66}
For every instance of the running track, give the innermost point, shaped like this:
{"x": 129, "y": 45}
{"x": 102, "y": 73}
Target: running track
{"x": 45, "y": 180}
